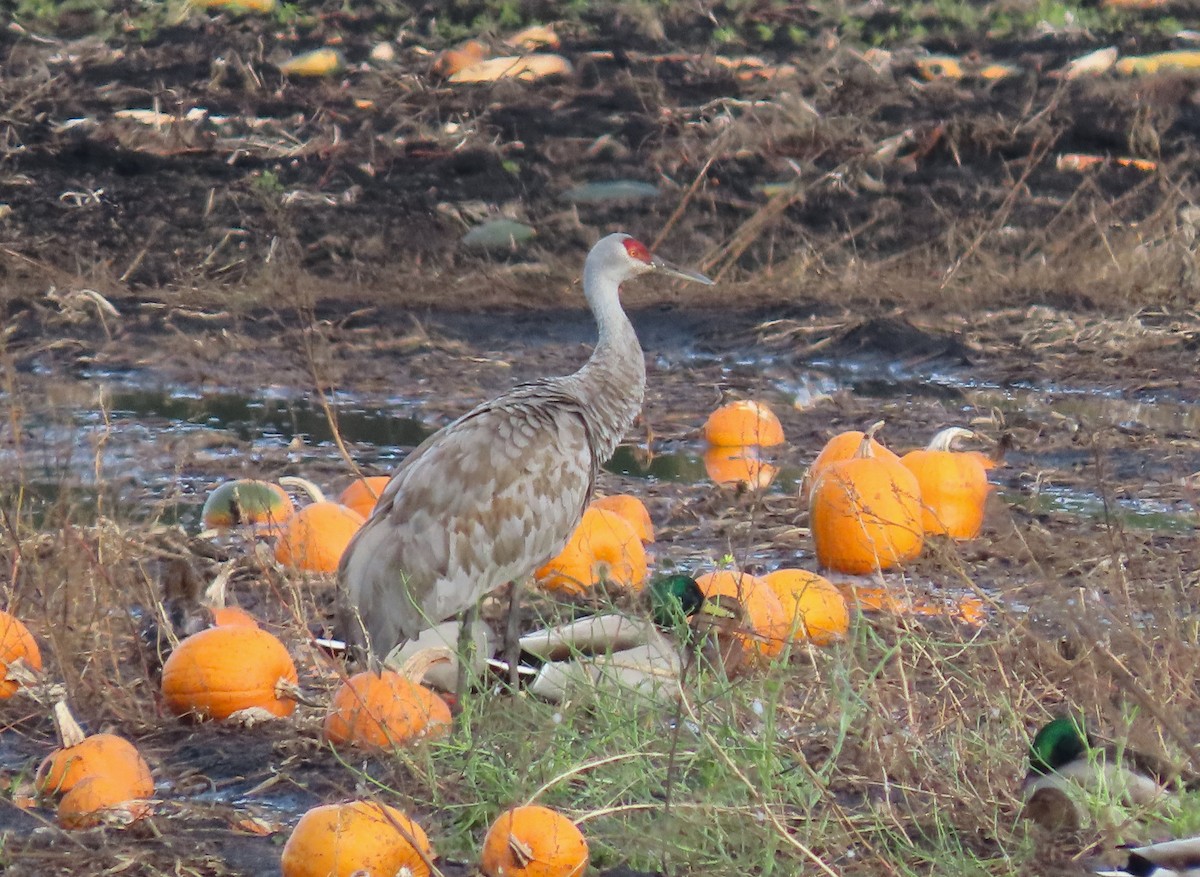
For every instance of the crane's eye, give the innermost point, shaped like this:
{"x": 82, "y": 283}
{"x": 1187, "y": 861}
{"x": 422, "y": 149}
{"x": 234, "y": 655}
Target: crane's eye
{"x": 637, "y": 250}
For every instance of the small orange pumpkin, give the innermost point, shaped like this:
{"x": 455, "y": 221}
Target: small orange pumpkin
{"x": 865, "y": 513}
{"x": 315, "y": 537}
{"x": 246, "y": 502}
{"x": 96, "y": 755}
{"x": 360, "y": 837}
{"x": 383, "y": 710}
{"x": 363, "y": 493}
{"x": 533, "y": 841}
{"x": 603, "y": 548}
{"x": 232, "y": 616}
{"x": 102, "y": 799}
{"x": 743, "y": 423}
{"x": 632, "y": 509}
{"x": 459, "y": 58}
{"x": 224, "y": 670}
{"x": 16, "y": 642}
{"x": 842, "y": 446}
{"x": 954, "y": 485}
{"x": 738, "y": 466}
{"x": 816, "y": 608}
{"x": 764, "y": 612}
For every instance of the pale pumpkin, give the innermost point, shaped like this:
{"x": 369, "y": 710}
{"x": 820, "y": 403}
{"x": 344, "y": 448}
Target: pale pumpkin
{"x": 357, "y": 838}
{"x": 603, "y": 548}
{"x": 815, "y": 608}
{"x": 16, "y": 642}
{"x": 954, "y": 485}
{"x": 314, "y": 538}
{"x": 382, "y": 710}
{"x": 769, "y": 623}
{"x": 533, "y": 841}
{"x": 743, "y": 423}
{"x": 246, "y": 502}
{"x": 221, "y": 671}
{"x": 865, "y": 513}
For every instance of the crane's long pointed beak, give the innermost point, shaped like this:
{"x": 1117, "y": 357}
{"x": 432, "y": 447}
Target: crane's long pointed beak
{"x": 661, "y": 264}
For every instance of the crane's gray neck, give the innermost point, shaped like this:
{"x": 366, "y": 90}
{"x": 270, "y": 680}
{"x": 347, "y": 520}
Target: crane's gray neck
{"x": 612, "y": 383}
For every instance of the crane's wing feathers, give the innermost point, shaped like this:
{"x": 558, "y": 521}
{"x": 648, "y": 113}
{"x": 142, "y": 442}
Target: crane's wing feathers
{"x": 478, "y": 504}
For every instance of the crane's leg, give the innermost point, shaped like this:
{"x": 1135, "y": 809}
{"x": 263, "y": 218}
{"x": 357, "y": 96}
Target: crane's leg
{"x": 466, "y": 652}
{"x": 512, "y": 634}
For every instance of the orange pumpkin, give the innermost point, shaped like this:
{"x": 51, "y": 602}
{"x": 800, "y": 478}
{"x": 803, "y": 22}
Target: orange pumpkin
{"x": 315, "y": 537}
{"x": 743, "y": 423}
{"x": 360, "y": 837}
{"x": 842, "y": 446}
{"x": 734, "y": 467}
{"x": 954, "y": 486}
{"x": 16, "y": 642}
{"x": 102, "y": 799}
{"x": 632, "y": 509}
{"x": 815, "y": 608}
{"x": 603, "y": 548}
{"x": 764, "y": 612}
{"x": 968, "y": 610}
{"x": 97, "y": 755}
{"x": 232, "y": 616}
{"x": 223, "y": 670}
{"x": 533, "y": 841}
{"x": 865, "y": 513}
{"x": 382, "y": 710}
{"x": 246, "y": 502}
{"x": 362, "y": 494}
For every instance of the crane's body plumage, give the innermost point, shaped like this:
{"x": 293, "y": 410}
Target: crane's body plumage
{"x": 489, "y": 497}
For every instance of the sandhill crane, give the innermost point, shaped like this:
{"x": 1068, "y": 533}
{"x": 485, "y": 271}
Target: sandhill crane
{"x": 486, "y": 499}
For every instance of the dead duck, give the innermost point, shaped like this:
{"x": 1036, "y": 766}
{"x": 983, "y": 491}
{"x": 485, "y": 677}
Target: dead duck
{"x": 1064, "y": 760}
{"x": 1173, "y": 858}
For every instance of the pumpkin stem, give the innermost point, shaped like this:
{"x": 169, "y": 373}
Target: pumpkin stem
{"x": 214, "y": 594}
{"x": 418, "y": 663}
{"x": 69, "y": 732}
{"x": 295, "y": 481}
{"x": 944, "y": 440}
{"x": 864, "y": 447}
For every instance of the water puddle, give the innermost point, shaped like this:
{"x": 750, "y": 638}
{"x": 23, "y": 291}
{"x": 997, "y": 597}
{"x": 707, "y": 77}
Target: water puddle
{"x": 122, "y": 441}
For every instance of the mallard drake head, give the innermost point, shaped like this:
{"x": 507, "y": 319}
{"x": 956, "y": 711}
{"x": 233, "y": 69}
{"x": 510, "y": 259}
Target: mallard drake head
{"x": 673, "y": 599}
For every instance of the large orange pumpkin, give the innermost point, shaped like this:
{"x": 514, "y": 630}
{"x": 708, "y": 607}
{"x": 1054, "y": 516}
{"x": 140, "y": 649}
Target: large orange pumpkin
{"x": 738, "y": 466}
{"x": 363, "y": 493}
{"x": 382, "y": 710}
{"x": 15, "y": 642}
{"x": 865, "y": 513}
{"x": 743, "y": 423}
{"x": 246, "y": 502}
{"x": 223, "y": 670}
{"x": 842, "y": 446}
{"x": 954, "y": 485}
{"x": 533, "y": 841}
{"x": 764, "y": 612}
{"x": 815, "y": 608}
{"x": 315, "y": 537}
{"x": 603, "y": 548}
{"x": 361, "y": 837}
{"x": 632, "y": 509}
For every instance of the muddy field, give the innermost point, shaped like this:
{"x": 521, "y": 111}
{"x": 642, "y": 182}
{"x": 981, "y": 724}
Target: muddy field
{"x": 180, "y": 294}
